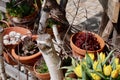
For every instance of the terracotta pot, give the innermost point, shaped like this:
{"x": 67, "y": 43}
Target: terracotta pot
{"x": 8, "y": 59}
{"x": 25, "y": 19}
{"x": 81, "y": 52}
{"x": 4, "y": 22}
{"x": 28, "y": 60}
{"x": 17, "y": 29}
{"x": 41, "y": 76}
{"x": 9, "y": 47}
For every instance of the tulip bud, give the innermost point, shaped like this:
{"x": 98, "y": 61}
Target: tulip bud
{"x": 78, "y": 71}
{"x": 116, "y": 61}
{"x": 118, "y": 68}
{"x": 114, "y": 74}
{"x": 95, "y": 76}
{"x": 91, "y": 56}
{"x": 95, "y": 65}
{"x": 107, "y": 70}
{"x": 102, "y": 56}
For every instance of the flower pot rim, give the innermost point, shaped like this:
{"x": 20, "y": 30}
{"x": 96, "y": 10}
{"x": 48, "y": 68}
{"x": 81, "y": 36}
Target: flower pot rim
{"x": 21, "y": 30}
{"x": 17, "y": 27}
{"x": 77, "y": 49}
{"x": 25, "y": 57}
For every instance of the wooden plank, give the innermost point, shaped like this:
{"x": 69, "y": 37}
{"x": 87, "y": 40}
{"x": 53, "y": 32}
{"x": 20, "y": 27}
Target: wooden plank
{"x": 104, "y": 3}
{"x": 107, "y": 31}
{"x": 2, "y": 6}
{"x": 6, "y": 0}
{"x": 15, "y": 73}
{"x": 113, "y": 10}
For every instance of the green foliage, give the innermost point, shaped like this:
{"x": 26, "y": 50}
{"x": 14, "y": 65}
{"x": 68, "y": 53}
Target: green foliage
{"x": 51, "y": 21}
{"x": 42, "y": 67}
{"x": 20, "y": 10}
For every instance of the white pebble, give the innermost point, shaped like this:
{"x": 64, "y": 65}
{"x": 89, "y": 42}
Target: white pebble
{"x": 12, "y": 38}
{"x": 13, "y": 42}
{"x": 6, "y": 42}
{"x": 18, "y": 34}
{"x": 17, "y": 39}
{"x": 6, "y": 37}
{"x": 12, "y": 33}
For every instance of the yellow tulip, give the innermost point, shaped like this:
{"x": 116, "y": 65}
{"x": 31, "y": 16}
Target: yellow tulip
{"x": 116, "y": 61}
{"x": 78, "y": 71}
{"x": 95, "y": 65}
{"x": 118, "y": 67}
{"x": 95, "y": 76}
{"x": 84, "y": 62}
{"x": 92, "y": 56}
{"x": 107, "y": 70}
{"x": 102, "y": 56}
{"x": 114, "y": 74}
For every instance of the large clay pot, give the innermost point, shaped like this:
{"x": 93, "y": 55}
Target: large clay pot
{"x": 20, "y": 30}
{"x": 81, "y": 52}
{"x": 41, "y": 76}
{"x": 28, "y": 60}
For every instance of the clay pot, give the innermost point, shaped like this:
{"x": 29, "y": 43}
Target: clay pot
{"x": 28, "y": 60}
{"x": 24, "y": 20}
{"x": 81, "y": 52}
{"x": 5, "y": 23}
{"x": 21, "y": 30}
{"x": 8, "y": 59}
{"x": 41, "y": 76}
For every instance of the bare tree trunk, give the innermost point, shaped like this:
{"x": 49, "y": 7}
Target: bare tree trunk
{"x": 43, "y": 18}
{"x": 2, "y": 69}
{"x": 51, "y": 58}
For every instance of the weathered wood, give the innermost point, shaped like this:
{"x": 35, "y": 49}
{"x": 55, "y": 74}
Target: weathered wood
{"x": 2, "y": 68}
{"x": 116, "y": 38}
{"x": 113, "y": 10}
{"x": 103, "y": 23}
{"x": 2, "y": 6}
{"x": 107, "y": 31}
{"x": 104, "y": 3}
{"x": 15, "y": 73}
{"x": 6, "y": 0}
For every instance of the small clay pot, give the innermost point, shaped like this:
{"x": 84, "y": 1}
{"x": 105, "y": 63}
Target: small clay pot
{"x": 81, "y": 52}
{"x": 41, "y": 76}
{"x": 28, "y": 60}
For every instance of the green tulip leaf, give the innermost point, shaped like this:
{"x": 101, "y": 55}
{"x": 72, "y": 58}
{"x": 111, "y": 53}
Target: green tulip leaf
{"x": 108, "y": 57}
{"x": 89, "y": 61}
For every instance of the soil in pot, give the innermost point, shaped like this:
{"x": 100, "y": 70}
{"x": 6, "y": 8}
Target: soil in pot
{"x": 41, "y": 70}
{"x": 86, "y": 41}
